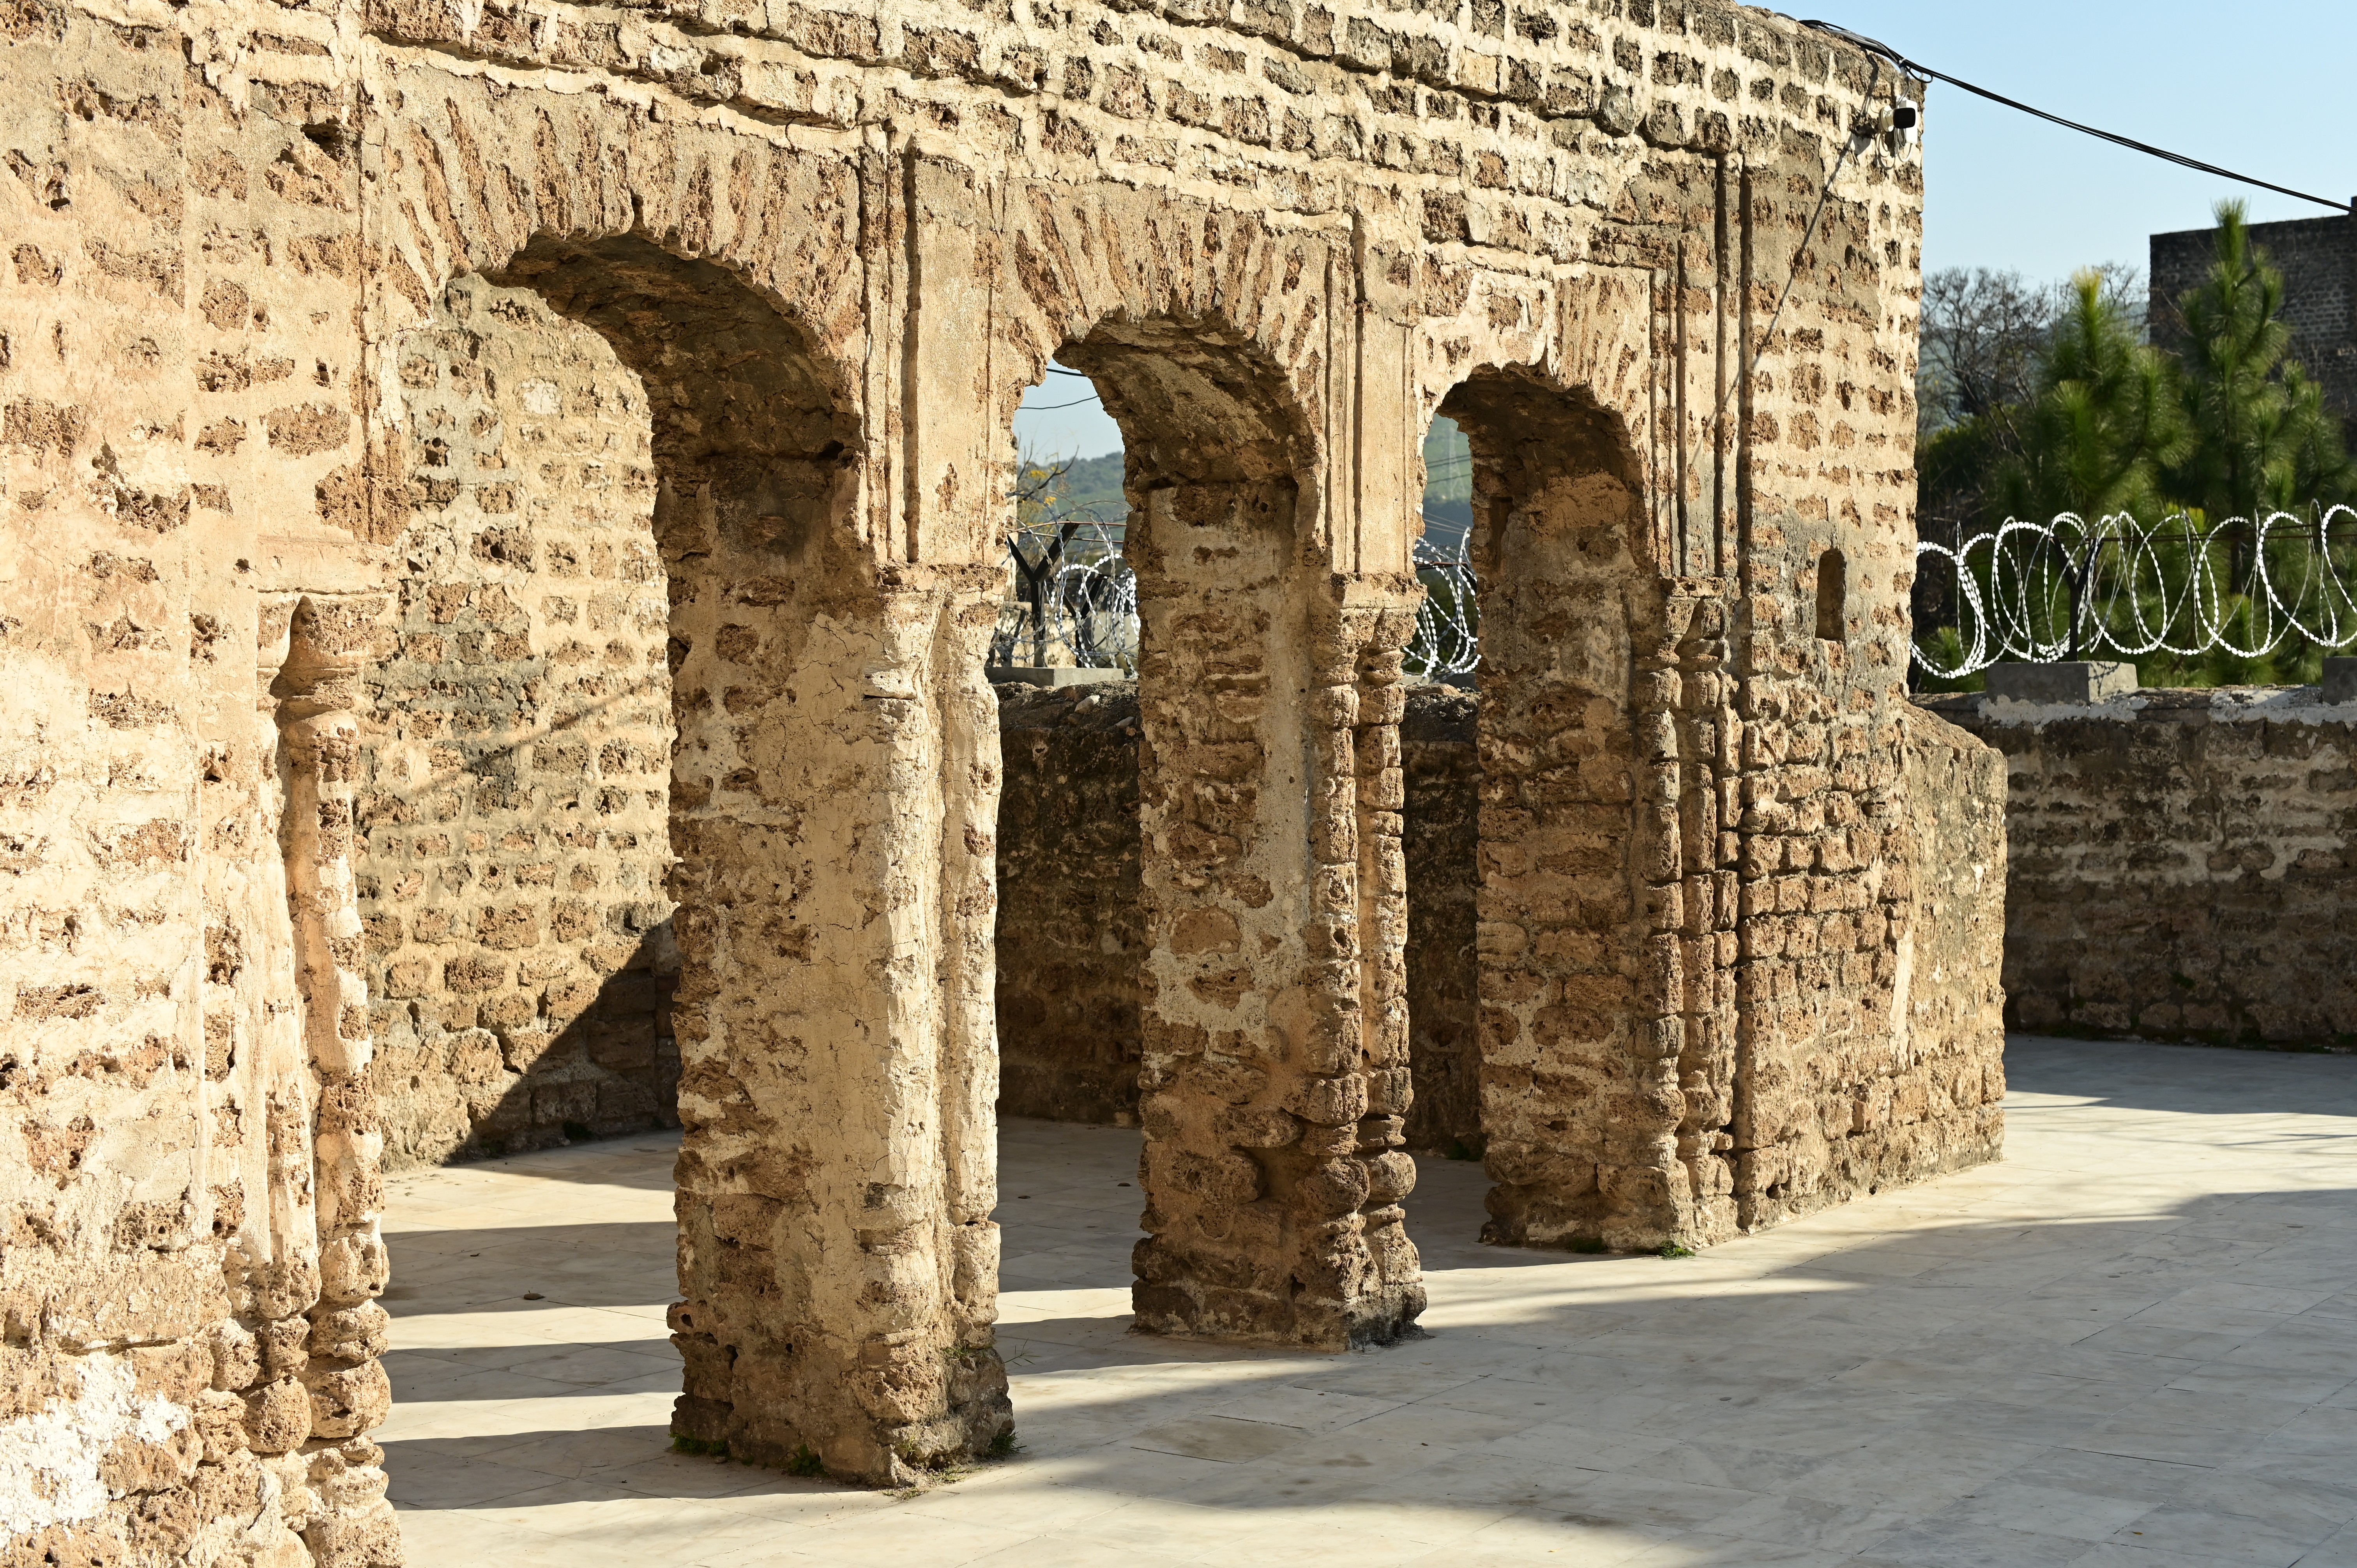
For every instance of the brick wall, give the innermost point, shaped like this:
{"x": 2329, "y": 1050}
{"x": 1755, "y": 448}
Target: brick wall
{"x": 2319, "y": 260}
{"x": 1068, "y": 923}
{"x": 519, "y": 761}
{"x": 1442, "y": 765}
{"x": 2180, "y": 864}
{"x": 248, "y": 750}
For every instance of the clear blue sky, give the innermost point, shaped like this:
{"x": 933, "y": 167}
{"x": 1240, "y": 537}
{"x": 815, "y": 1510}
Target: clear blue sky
{"x": 2257, "y": 86}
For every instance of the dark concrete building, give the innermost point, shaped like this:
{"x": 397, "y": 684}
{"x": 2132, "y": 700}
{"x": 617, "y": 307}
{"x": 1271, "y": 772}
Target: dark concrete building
{"x": 2319, "y": 260}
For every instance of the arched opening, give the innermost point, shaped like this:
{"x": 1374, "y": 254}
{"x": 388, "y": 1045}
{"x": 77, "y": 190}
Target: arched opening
{"x": 836, "y": 1260}
{"x": 521, "y": 960}
{"x": 1063, "y": 660}
{"x": 1226, "y": 970}
{"x": 1579, "y": 1030}
{"x": 1266, "y": 1084}
{"x": 1441, "y": 778}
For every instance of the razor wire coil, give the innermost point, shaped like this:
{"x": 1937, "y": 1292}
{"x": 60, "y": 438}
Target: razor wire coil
{"x": 2041, "y": 591}
{"x": 1070, "y": 598}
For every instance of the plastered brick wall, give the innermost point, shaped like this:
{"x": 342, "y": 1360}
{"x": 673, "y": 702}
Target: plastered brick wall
{"x": 2180, "y": 864}
{"x": 519, "y": 756}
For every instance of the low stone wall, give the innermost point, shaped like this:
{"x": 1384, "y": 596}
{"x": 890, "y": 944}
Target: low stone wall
{"x": 1071, "y": 939}
{"x": 1939, "y": 1104}
{"x": 1070, "y": 942}
{"x": 2180, "y": 864}
{"x": 1441, "y": 835}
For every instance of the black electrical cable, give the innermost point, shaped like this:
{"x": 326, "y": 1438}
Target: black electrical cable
{"x": 1886, "y": 52}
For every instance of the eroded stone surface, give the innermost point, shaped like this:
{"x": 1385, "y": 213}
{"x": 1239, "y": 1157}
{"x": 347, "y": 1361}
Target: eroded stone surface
{"x": 1923, "y": 1094}
{"x": 831, "y": 247}
{"x": 518, "y": 753}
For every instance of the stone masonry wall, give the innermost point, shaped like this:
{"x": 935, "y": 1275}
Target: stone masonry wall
{"x": 1071, "y": 938}
{"x": 834, "y": 243}
{"x": 189, "y": 1199}
{"x": 1067, "y": 990}
{"x": 1068, "y": 924}
{"x": 1441, "y": 762}
{"x": 2180, "y": 864}
{"x": 520, "y": 755}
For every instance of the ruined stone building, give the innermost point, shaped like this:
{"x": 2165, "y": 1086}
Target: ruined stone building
{"x": 504, "y": 506}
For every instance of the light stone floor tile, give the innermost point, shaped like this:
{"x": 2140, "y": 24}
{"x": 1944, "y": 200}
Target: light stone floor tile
{"x": 2223, "y": 1537}
{"x": 2131, "y": 1344}
{"x": 2026, "y": 1505}
{"x": 1948, "y": 1543}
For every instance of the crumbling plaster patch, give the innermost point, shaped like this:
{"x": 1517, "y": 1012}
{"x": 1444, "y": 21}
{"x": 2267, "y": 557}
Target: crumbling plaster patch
{"x": 53, "y": 1462}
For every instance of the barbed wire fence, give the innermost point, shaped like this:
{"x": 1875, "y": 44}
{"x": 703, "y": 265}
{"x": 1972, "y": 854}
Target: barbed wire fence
{"x": 1071, "y": 600}
{"x": 2276, "y": 591}
{"x": 2280, "y": 589}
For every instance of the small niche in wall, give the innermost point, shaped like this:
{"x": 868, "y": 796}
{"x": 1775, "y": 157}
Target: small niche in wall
{"x": 1833, "y": 597}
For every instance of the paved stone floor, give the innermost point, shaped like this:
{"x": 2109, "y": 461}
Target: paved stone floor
{"x": 2131, "y": 1344}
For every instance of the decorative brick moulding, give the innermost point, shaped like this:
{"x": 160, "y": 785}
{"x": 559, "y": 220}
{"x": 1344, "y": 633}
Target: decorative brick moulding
{"x": 420, "y": 420}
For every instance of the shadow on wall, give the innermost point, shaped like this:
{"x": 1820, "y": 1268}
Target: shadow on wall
{"x": 519, "y": 764}
{"x": 610, "y": 1067}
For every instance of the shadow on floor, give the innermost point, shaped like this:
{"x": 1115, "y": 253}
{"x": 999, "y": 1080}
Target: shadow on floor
{"x": 2081, "y": 1357}
{"x": 2195, "y": 1078}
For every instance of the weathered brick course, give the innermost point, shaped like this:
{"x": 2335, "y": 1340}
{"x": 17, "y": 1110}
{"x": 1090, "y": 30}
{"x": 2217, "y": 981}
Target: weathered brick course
{"x": 1067, "y": 964}
{"x": 517, "y": 797}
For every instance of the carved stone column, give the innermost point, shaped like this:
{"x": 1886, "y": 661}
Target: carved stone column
{"x": 330, "y": 642}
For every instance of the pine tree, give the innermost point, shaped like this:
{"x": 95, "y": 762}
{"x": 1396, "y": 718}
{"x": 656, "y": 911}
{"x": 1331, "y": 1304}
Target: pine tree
{"x": 2107, "y": 422}
{"x": 2262, "y": 438}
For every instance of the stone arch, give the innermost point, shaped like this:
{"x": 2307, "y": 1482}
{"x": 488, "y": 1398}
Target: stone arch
{"x": 1594, "y": 844}
{"x": 1215, "y": 320}
{"x": 839, "y": 1266}
{"x": 1274, "y": 1073}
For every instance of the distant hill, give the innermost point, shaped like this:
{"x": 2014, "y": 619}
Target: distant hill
{"x": 1091, "y": 488}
